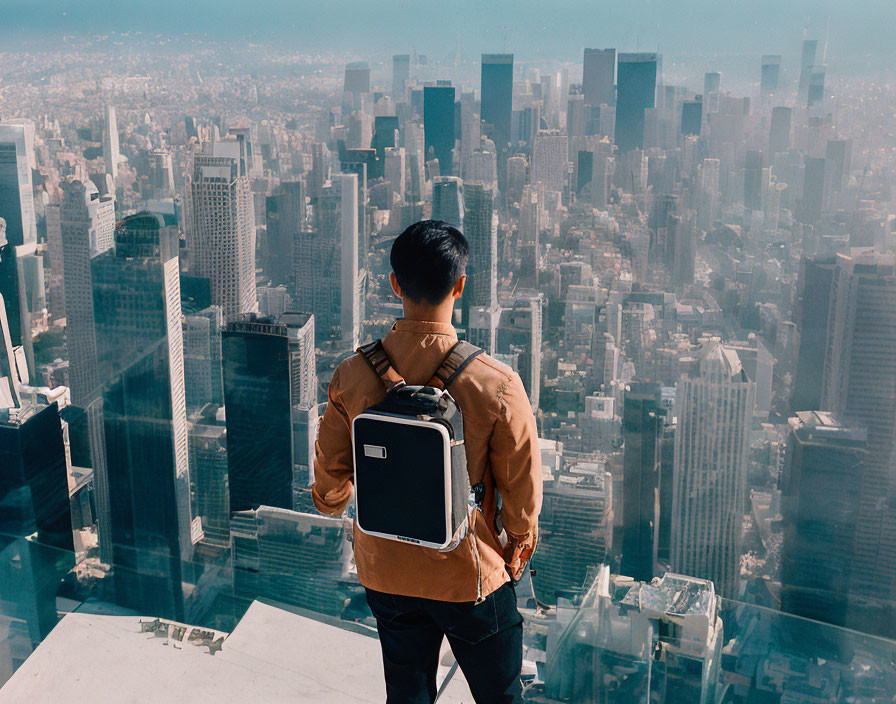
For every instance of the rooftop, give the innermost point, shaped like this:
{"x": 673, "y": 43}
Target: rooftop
{"x": 273, "y": 655}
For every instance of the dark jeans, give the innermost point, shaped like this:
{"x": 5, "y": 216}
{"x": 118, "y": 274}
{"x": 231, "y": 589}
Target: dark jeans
{"x": 486, "y": 638}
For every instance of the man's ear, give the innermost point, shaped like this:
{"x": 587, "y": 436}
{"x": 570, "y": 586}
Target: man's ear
{"x": 393, "y": 281}
{"x": 458, "y": 289}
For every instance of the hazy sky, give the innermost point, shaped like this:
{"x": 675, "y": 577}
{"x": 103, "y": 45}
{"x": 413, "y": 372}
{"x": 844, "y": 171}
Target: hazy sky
{"x": 860, "y": 30}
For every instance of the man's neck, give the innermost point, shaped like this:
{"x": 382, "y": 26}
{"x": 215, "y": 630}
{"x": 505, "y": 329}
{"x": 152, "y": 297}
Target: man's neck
{"x": 442, "y": 313}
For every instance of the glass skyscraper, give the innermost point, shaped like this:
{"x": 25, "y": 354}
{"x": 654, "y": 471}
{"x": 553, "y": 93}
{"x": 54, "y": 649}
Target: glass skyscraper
{"x": 642, "y": 432}
{"x": 497, "y": 99}
{"x": 270, "y": 400}
{"x": 139, "y": 343}
{"x": 438, "y": 126}
{"x": 635, "y": 93}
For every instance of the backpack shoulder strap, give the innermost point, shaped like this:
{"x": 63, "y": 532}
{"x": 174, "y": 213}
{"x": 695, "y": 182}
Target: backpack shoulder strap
{"x": 457, "y": 359}
{"x": 377, "y": 359}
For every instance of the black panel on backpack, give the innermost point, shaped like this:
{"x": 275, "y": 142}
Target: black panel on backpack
{"x": 411, "y": 481}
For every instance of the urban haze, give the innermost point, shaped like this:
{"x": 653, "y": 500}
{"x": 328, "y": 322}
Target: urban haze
{"x": 682, "y": 231}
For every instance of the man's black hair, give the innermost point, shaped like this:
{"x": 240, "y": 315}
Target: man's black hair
{"x": 428, "y": 258}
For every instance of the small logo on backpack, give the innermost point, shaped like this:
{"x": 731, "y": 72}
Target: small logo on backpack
{"x": 377, "y": 452}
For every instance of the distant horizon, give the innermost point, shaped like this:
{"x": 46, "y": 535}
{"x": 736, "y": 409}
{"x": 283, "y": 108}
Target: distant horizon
{"x": 856, "y": 36}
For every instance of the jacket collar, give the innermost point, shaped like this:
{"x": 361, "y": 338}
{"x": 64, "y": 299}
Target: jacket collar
{"x": 424, "y": 327}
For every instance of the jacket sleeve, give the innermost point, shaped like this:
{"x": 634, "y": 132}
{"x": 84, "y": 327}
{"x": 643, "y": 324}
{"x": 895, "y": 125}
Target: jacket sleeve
{"x": 333, "y": 463}
{"x": 515, "y": 460}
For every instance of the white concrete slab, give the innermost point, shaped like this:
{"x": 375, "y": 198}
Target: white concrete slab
{"x": 272, "y": 656}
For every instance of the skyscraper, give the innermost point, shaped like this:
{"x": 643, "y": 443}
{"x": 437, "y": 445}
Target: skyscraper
{"x": 401, "y": 72}
{"x": 16, "y": 197}
{"x": 285, "y": 219}
{"x": 317, "y": 266}
{"x": 36, "y": 547}
{"x": 395, "y": 174}
{"x": 838, "y": 160}
{"x": 645, "y": 642}
{"x": 202, "y": 357}
{"x": 221, "y": 227}
{"x": 520, "y": 333}
{"x": 296, "y": 558}
{"x": 598, "y": 73}
{"x": 714, "y": 408}
{"x": 13, "y": 312}
{"x": 813, "y": 189}
{"x": 550, "y": 160}
{"x": 111, "y": 153}
{"x": 139, "y": 343}
{"x": 481, "y": 232}
{"x": 350, "y": 299}
{"x": 577, "y": 503}
{"x": 497, "y": 100}
{"x": 642, "y": 434}
{"x": 812, "y": 306}
{"x": 208, "y": 467}
{"x": 447, "y": 200}
{"x": 815, "y": 91}
{"x": 821, "y": 489}
{"x": 771, "y": 74}
{"x": 636, "y": 92}
{"x": 438, "y": 126}
{"x": 88, "y": 230}
{"x": 712, "y": 87}
{"x": 807, "y": 61}
{"x": 691, "y": 116}
{"x": 270, "y": 400}
{"x": 355, "y": 84}
{"x": 779, "y": 130}
{"x": 859, "y": 375}
{"x": 17, "y": 209}
{"x": 753, "y": 180}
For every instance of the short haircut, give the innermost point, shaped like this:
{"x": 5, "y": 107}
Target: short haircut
{"x": 428, "y": 258}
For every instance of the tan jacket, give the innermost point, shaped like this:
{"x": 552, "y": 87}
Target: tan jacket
{"x": 502, "y": 450}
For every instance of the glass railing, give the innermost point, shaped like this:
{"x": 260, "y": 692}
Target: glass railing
{"x": 673, "y": 640}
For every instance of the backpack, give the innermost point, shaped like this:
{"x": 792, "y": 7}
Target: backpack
{"x": 411, "y": 480}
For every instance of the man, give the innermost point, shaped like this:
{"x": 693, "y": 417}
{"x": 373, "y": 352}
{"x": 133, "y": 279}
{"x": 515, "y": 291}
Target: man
{"x": 418, "y": 594}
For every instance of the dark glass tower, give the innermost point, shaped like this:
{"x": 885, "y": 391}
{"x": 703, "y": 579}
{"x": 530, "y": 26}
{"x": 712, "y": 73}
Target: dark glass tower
{"x": 820, "y": 496}
{"x": 11, "y": 288}
{"x": 771, "y": 73}
{"x": 33, "y": 481}
{"x": 270, "y": 401}
{"x": 691, "y": 116}
{"x": 859, "y": 378}
{"x": 642, "y": 432}
{"x": 636, "y": 91}
{"x": 497, "y": 99}
{"x": 256, "y": 399}
{"x": 139, "y": 342}
{"x": 816, "y": 276}
{"x": 438, "y": 126}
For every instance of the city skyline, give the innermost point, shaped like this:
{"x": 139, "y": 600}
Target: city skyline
{"x": 685, "y": 249}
